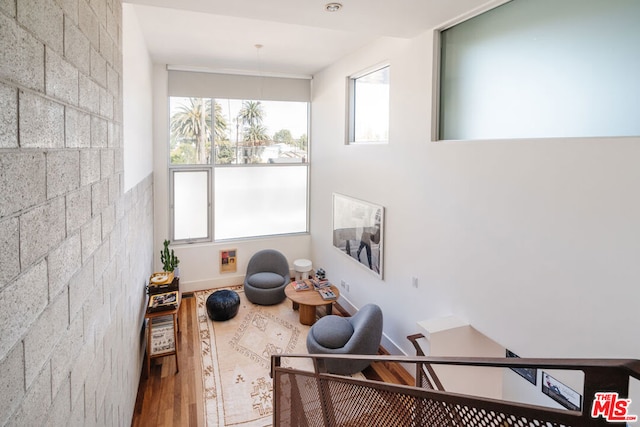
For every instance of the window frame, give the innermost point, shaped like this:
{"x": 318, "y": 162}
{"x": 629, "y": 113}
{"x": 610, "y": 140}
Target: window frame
{"x": 210, "y": 169}
{"x": 184, "y": 169}
{"x": 352, "y": 107}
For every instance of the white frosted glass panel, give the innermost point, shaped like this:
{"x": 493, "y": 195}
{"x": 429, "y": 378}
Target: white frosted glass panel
{"x": 543, "y": 68}
{"x": 260, "y": 201}
{"x": 191, "y": 205}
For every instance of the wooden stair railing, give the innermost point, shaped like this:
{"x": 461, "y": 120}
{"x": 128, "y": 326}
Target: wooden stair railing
{"x": 315, "y": 398}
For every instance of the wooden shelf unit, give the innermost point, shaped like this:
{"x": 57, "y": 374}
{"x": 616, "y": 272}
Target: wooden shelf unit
{"x": 155, "y": 319}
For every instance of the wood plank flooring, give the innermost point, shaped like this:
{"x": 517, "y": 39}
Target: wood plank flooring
{"x": 168, "y": 398}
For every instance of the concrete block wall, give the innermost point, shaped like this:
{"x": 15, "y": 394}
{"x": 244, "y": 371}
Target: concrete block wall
{"x": 75, "y": 251}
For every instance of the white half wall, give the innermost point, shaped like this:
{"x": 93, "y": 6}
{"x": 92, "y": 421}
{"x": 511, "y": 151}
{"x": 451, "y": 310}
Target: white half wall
{"x": 138, "y": 101}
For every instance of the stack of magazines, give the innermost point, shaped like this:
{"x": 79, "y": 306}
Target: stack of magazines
{"x": 320, "y": 284}
{"x": 326, "y": 293}
{"x": 301, "y": 285}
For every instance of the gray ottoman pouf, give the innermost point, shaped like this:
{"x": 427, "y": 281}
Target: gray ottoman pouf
{"x": 223, "y": 305}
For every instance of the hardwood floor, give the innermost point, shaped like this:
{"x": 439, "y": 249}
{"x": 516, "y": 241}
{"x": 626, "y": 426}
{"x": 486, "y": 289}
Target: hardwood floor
{"x": 168, "y": 398}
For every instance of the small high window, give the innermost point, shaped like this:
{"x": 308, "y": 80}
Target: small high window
{"x": 369, "y": 107}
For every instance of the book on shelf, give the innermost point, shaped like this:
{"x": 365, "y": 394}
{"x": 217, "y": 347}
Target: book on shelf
{"x": 162, "y": 335}
{"x": 327, "y": 294}
{"x": 165, "y": 301}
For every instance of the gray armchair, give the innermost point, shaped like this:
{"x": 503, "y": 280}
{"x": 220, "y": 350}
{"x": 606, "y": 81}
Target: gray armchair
{"x": 267, "y": 276}
{"x": 358, "y": 334}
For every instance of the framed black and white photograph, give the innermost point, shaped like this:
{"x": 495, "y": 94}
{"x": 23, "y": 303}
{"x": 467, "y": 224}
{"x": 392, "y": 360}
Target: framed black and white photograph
{"x": 358, "y": 231}
{"x": 529, "y": 374}
{"x": 561, "y": 393}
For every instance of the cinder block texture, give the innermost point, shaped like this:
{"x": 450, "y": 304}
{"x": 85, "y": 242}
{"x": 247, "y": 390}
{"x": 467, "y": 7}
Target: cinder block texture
{"x": 41, "y": 122}
{"x": 8, "y": 7}
{"x": 33, "y": 408}
{"x": 64, "y": 354}
{"x": 9, "y": 250}
{"x": 21, "y": 55}
{"x": 64, "y": 261}
{"x": 78, "y": 209}
{"x": 77, "y": 128}
{"x": 61, "y": 78}
{"x": 22, "y": 181}
{"x": 41, "y": 229}
{"x": 98, "y": 132}
{"x": 75, "y": 251}
{"x": 24, "y": 300}
{"x": 11, "y": 382}
{"x": 89, "y": 93}
{"x": 77, "y": 49}
{"x": 42, "y": 336}
{"x": 63, "y": 172}
{"x": 8, "y": 116}
{"x": 88, "y": 22}
{"x": 89, "y": 167}
{"x": 44, "y": 19}
{"x": 61, "y": 407}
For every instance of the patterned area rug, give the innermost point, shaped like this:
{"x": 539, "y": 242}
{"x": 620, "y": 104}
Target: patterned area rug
{"x": 236, "y": 359}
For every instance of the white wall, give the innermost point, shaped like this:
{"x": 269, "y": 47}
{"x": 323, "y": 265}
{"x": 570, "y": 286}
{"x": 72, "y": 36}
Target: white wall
{"x": 534, "y": 242}
{"x": 138, "y": 95}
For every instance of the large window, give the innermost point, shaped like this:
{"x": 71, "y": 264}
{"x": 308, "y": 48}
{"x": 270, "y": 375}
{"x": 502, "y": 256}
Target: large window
{"x": 239, "y": 168}
{"x": 369, "y": 107}
{"x": 543, "y": 68}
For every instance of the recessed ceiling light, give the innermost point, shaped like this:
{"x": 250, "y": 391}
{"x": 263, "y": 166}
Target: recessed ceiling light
{"x": 332, "y": 7}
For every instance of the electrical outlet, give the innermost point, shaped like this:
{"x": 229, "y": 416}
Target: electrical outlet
{"x": 414, "y": 281}
{"x": 343, "y": 284}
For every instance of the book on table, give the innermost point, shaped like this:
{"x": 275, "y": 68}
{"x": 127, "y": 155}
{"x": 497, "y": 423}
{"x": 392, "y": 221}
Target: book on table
{"x": 301, "y": 285}
{"x": 320, "y": 284}
{"x": 327, "y": 294}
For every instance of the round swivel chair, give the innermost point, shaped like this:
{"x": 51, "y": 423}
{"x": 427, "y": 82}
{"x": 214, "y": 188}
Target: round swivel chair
{"x": 358, "y": 334}
{"x": 267, "y": 276}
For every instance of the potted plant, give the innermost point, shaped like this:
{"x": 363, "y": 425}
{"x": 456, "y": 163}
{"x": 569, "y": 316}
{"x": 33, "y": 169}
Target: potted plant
{"x": 169, "y": 260}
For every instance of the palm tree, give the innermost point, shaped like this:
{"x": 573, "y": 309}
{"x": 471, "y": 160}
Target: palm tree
{"x": 251, "y": 113}
{"x": 256, "y": 134}
{"x": 192, "y": 122}
{"x": 219, "y": 124}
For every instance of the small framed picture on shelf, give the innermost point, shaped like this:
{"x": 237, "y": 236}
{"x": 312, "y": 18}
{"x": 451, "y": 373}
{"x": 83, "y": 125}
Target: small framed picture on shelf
{"x": 165, "y": 301}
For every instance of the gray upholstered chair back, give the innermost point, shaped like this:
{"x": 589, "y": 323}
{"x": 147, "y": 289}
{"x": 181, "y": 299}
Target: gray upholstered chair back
{"x": 267, "y": 276}
{"x": 269, "y": 260}
{"x": 365, "y": 340}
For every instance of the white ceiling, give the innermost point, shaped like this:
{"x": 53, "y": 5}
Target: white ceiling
{"x": 298, "y": 36}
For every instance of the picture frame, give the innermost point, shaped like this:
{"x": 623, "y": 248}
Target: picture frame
{"x": 163, "y": 301}
{"x": 162, "y": 335}
{"x": 228, "y": 261}
{"x": 358, "y": 231}
{"x": 564, "y": 395}
{"x": 529, "y": 374}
